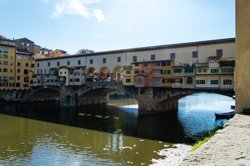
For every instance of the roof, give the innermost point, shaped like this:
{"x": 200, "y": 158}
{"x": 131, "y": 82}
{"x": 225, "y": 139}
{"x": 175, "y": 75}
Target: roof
{"x": 26, "y": 39}
{"x": 178, "y": 45}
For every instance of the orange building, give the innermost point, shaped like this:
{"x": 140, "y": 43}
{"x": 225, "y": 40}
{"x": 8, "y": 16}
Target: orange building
{"x": 153, "y": 73}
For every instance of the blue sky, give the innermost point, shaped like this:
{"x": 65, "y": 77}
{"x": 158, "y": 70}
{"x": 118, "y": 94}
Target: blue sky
{"x": 116, "y": 24}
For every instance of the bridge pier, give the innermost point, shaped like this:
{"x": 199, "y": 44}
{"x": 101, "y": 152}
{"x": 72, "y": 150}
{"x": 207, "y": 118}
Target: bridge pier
{"x": 150, "y": 100}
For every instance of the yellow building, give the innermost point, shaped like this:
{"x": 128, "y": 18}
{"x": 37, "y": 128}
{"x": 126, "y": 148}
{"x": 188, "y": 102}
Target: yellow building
{"x": 7, "y": 64}
{"x": 128, "y": 76}
{"x": 24, "y": 69}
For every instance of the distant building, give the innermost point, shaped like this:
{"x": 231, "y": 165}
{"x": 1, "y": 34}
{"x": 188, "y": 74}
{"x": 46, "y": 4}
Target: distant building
{"x": 57, "y": 53}
{"x": 45, "y": 51}
{"x": 27, "y": 45}
{"x": 7, "y": 63}
{"x": 72, "y": 76}
{"x": 24, "y": 70}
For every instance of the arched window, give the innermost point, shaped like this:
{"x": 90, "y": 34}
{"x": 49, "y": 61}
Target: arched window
{"x": 5, "y": 70}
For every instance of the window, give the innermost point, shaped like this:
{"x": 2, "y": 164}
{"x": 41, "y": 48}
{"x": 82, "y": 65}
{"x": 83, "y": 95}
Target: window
{"x": 128, "y": 72}
{"x": 128, "y": 80}
{"x": 25, "y": 71}
{"x": 137, "y": 64}
{"x": 58, "y": 63}
{"x": 158, "y": 71}
{"x": 172, "y": 56}
{"x": 26, "y": 79}
{"x": 5, "y": 56}
{"x": 37, "y": 64}
{"x": 145, "y": 65}
{"x": 18, "y": 70}
{"x": 214, "y": 70}
{"x": 68, "y": 63}
{"x": 79, "y": 62}
{"x": 152, "y": 57}
{"x": 227, "y": 70}
{"x": 5, "y": 50}
{"x": 104, "y": 60}
{"x": 137, "y": 71}
{"x": 158, "y": 64}
{"x": 26, "y": 64}
{"x": 166, "y": 63}
{"x": 214, "y": 82}
{"x": 189, "y": 80}
{"x": 227, "y": 82}
{"x": 18, "y": 64}
{"x": 118, "y": 59}
{"x": 48, "y": 63}
{"x": 156, "y": 80}
{"x": 200, "y": 82}
{"x": 91, "y": 61}
{"x": 168, "y": 71}
{"x": 5, "y": 70}
{"x": 195, "y": 54}
{"x": 134, "y": 58}
{"x": 219, "y": 52}
{"x": 5, "y": 63}
{"x": 189, "y": 70}
{"x": 1, "y": 50}
{"x": 177, "y": 70}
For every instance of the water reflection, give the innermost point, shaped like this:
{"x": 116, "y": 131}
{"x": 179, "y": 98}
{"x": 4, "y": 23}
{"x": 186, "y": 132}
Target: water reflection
{"x": 196, "y": 113}
{"x": 31, "y": 142}
{"x": 106, "y": 135}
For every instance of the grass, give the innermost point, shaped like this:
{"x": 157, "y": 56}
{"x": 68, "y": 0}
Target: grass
{"x": 205, "y": 139}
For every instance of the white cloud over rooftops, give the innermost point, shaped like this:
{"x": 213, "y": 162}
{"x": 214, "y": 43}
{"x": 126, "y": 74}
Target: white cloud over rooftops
{"x": 77, "y": 7}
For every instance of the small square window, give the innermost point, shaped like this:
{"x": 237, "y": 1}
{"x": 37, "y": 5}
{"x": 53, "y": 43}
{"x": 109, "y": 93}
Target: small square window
{"x": 134, "y": 58}
{"x": 172, "y": 56}
{"x": 152, "y": 57}
{"x": 219, "y": 52}
{"x": 195, "y": 54}
{"x": 118, "y": 59}
{"x": 104, "y": 60}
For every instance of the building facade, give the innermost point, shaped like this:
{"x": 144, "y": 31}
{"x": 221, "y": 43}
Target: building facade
{"x": 24, "y": 70}
{"x": 7, "y": 64}
{"x": 120, "y": 65}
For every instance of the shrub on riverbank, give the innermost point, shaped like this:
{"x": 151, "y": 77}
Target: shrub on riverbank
{"x": 206, "y": 138}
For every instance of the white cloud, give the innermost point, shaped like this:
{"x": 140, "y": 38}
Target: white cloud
{"x": 77, "y": 7}
{"x": 98, "y": 14}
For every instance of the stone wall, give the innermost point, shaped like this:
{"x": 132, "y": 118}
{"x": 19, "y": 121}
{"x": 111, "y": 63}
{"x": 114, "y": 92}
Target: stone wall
{"x": 242, "y": 74}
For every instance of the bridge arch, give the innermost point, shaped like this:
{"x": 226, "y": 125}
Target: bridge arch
{"x": 116, "y": 75}
{"x": 104, "y": 72}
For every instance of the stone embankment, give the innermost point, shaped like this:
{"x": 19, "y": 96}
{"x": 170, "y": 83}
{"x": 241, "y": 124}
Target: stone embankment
{"x": 228, "y": 147}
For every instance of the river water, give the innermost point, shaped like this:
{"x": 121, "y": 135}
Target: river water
{"x": 45, "y": 134}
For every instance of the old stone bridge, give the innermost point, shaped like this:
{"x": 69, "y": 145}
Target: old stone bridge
{"x": 150, "y": 100}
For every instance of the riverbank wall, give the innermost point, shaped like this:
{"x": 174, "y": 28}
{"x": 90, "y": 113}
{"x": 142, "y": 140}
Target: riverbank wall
{"x": 229, "y": 146}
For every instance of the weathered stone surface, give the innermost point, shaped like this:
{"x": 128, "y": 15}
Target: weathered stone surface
{"x": 229, "y": 146}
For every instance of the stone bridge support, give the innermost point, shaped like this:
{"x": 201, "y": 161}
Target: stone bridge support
{"x": 154, "y": 100}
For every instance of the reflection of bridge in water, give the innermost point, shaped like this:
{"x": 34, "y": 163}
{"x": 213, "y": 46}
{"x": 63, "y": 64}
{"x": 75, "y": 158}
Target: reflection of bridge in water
{"x": 150, "y": 100}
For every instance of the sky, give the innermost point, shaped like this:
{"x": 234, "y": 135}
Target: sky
{"x": 103, "y": 25}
